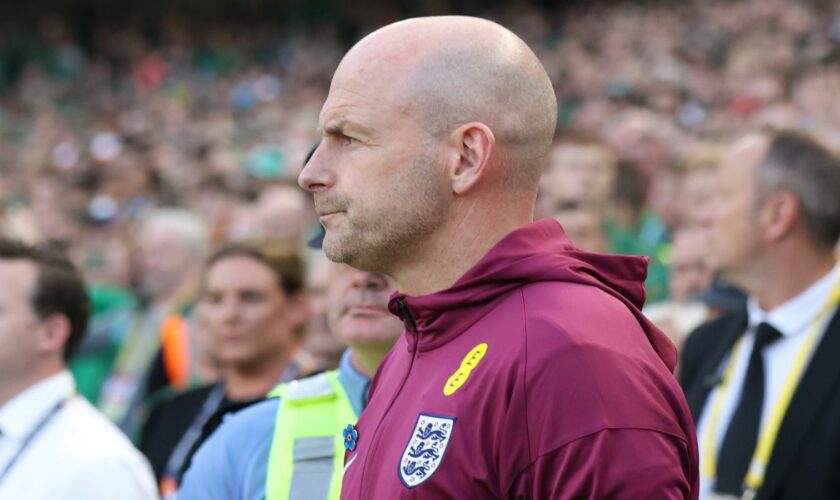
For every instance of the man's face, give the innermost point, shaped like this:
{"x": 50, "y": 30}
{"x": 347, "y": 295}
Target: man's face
{"x": 358, "y": 307}
{"x": 378, "y": 187}
{"x": 18, "y": 322}
{"x": 735, "y": 240}
{"x": 247, "y": 317}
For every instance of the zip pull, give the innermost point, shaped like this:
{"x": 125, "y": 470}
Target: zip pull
{"x": 405, "y": 314}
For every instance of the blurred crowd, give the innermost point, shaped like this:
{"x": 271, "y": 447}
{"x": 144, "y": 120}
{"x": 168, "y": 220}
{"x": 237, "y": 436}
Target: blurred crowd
{"x": 140, "y": 158}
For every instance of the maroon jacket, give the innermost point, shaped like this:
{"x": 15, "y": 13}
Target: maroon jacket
{"x": 533, "y": 376}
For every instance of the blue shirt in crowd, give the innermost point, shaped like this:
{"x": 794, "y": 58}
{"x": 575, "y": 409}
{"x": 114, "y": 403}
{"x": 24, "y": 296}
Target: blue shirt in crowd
{"x": 233, "y": 463}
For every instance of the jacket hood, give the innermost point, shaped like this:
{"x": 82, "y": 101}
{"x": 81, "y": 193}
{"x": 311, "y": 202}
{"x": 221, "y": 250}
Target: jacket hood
{"x": 538, "y": 252}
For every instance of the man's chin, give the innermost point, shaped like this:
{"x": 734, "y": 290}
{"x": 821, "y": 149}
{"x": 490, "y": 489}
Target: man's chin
{"x": 336, "y": 255}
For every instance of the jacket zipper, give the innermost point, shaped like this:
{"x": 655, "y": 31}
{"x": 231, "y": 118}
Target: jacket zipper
{"x": 405, "y": 314}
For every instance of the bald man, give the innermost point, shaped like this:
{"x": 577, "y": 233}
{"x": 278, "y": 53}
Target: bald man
{"x": 526, "y": 369}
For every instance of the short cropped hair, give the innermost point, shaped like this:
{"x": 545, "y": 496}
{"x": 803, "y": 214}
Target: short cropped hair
{"x": 800, "y": 164}
{"x": 58, "y": 288}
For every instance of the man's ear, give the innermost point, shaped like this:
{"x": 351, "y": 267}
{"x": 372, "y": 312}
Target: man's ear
{"x": 474, "y": 143}
{"x": 779, "y": 214}
{"x": 53, "y": 334}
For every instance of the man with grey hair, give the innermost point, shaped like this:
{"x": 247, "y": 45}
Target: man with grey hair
{"x": 764, "y": 383}
{"x": 526, "y": 369}
{"x": 172, "y": 244}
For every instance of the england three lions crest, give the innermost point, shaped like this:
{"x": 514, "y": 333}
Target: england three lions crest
{"x": 425, "y": 449}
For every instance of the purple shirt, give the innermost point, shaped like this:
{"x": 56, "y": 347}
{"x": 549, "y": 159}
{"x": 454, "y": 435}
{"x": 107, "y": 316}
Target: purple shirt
{"x": 533, "y": 376}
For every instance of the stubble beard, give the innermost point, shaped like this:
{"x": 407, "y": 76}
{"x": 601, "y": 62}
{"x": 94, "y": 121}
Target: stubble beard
{"x": 380, "y": 239}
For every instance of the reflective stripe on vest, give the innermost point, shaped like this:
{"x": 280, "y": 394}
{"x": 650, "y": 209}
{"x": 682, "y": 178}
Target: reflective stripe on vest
{"x": 307, "y": 451}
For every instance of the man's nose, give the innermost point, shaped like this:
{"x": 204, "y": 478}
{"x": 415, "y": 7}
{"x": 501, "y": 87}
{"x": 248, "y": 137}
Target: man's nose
{"x": 369, "y": 280}
{"x": 316, "y": 176}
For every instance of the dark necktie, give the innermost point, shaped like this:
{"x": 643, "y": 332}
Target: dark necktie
{"x": 739, "y": 443}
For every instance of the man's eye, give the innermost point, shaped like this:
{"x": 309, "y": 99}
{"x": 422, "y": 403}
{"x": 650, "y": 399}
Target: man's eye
{"x": 347, "y": 140}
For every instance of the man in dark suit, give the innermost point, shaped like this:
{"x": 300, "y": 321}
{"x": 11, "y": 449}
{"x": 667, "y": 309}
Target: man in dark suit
{"x": 764, "y": 383}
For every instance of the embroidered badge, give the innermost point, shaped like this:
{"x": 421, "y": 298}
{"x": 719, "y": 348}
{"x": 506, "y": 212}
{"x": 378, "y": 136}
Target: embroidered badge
{"x": 469, "y": 363}
{"x": 351, "y": 435}
{"x": 425, "y": 448}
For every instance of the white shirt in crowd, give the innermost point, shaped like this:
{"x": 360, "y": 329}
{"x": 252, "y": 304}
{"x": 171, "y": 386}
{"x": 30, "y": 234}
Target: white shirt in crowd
{"x": 794, "y": 320}
{"x": 76, "y": 453}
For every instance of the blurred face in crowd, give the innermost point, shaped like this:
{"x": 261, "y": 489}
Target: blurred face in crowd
{"x": 283, "y": 212}
{"x": 18, "y": 322}
{"x": 579, "y": 172}
{"x": 583, "y": 227}
{"x": 735, "y": 240}
{"x": 126, "y": 178}
{"x": 247, "y": 317}
{"x": 320, "y": 342}
{"x": 374, "y": 177}
{"x": 698, "y": 194}
{"x": 103, "y": 258}
{"x": 689, "y": 273}
{"x": 664, "y": 197}
{"x": 166, "y": 261}
{"x": 358, "y": 307}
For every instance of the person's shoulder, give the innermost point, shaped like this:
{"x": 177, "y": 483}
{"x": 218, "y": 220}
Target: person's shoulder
{"x": 711, "y": 333}
{"x": 255, "y": 422}
{"x": 81, "y": 422}
{"x": 233, "y": 460}
{"x": 706, "y": 339}
{"x": 181, "y": 406}
{"x": 562, "y": 314}
{"x": 569, "y": 296}
{"x": 89, "y": 440}
{"x": 190, "y": 397}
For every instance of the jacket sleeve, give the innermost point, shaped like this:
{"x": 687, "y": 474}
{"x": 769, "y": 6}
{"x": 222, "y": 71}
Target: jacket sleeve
{"x": 616, "y": 464}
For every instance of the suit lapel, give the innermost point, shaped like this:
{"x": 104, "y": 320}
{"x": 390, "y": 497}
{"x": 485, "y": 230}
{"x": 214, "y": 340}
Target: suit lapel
{"x": 709, "y": 375}
{"x": 813, "y": 392}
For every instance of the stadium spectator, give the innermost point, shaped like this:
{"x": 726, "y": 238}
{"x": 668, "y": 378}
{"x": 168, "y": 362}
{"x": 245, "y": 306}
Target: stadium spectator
{"x": 161, "y": 348}
{"x": 253, "y": 311}
{"x": 761, "y": 382}
{"x": 53, "y": 443}
{"x": 270, "y": 450}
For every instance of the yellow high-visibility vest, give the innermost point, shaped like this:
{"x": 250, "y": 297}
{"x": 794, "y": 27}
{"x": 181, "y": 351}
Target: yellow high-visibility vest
{"x": 307, "y": 451}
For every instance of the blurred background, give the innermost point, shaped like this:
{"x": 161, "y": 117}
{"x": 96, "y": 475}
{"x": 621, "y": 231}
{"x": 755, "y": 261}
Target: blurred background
{"x": 139, "y": 136}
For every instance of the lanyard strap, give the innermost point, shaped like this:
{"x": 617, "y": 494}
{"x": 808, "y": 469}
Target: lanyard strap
{"x": 31, "y": 437}
{"x": 770, "y": 431}
{"x": 210, "y": 406}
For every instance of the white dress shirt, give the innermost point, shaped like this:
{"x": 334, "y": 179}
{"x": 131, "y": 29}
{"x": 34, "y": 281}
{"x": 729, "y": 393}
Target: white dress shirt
{"x": 76, "y": 454}
{"x": 794, "y": 320}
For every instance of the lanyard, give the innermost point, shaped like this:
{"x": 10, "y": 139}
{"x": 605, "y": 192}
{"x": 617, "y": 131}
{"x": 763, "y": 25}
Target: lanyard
{"x": 31, "y": 436}
{"x": 176, "y": 460}
{"x": 767, "y": 438}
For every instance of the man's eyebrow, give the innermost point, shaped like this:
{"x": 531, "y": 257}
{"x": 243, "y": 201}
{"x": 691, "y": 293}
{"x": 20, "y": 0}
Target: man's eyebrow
{"x": 334, "y": 127}
{"x": 343, "y": 126}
